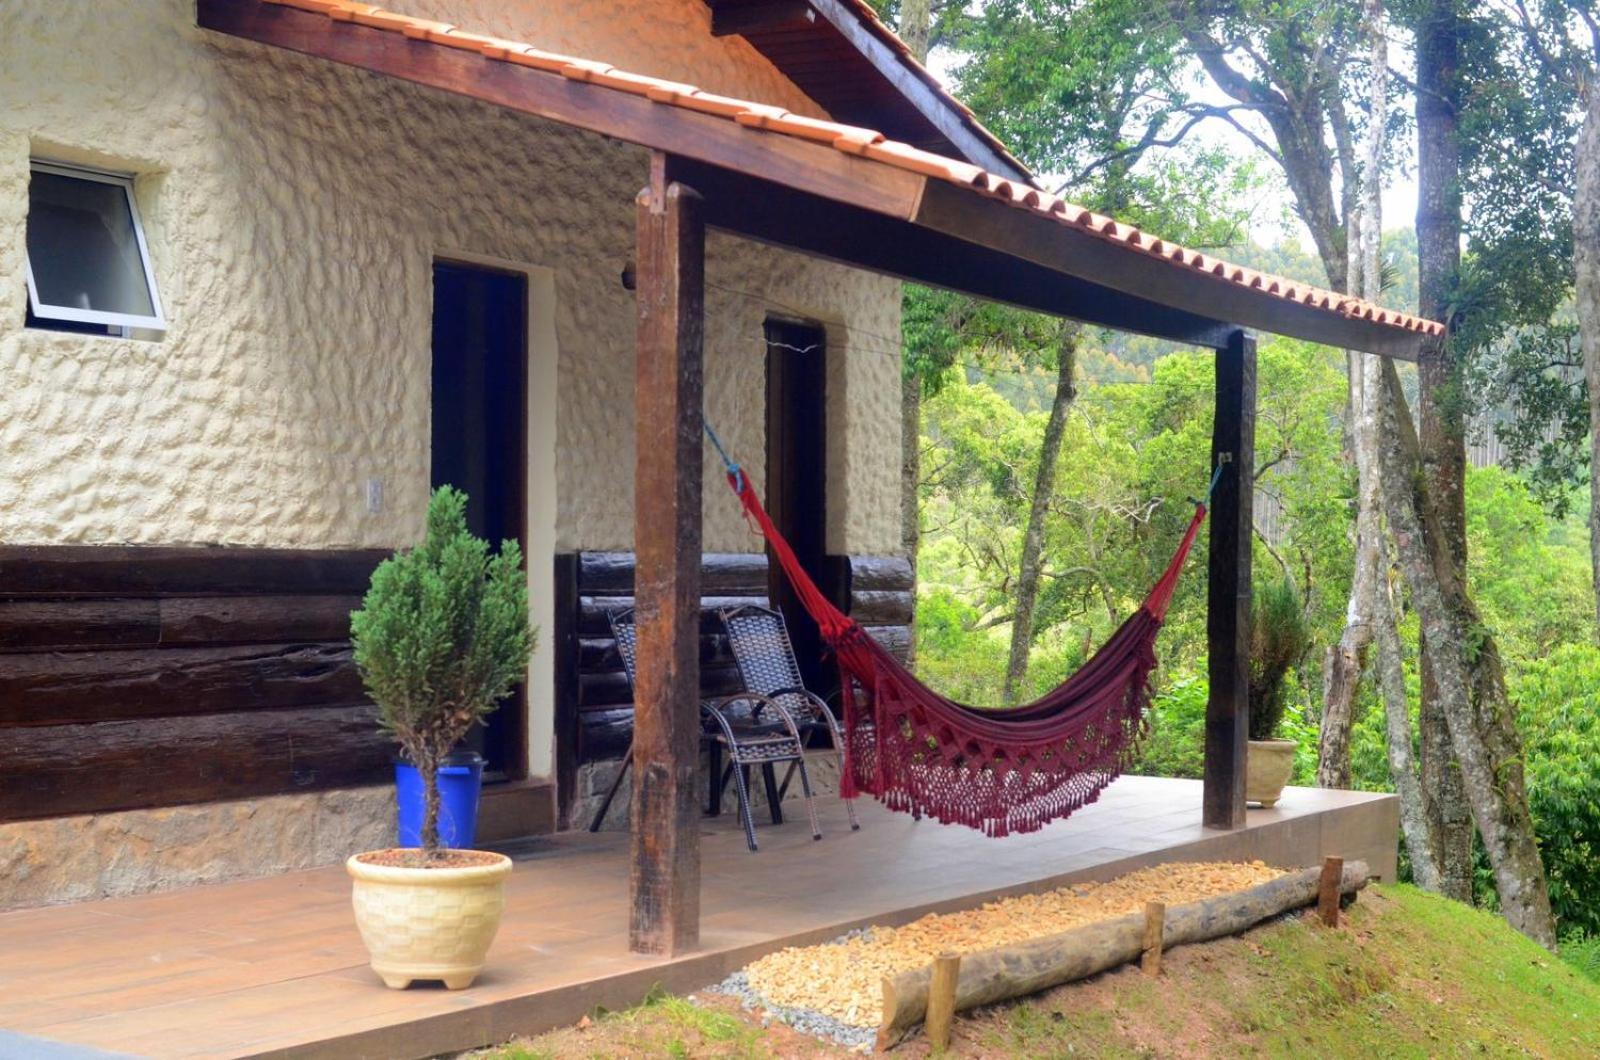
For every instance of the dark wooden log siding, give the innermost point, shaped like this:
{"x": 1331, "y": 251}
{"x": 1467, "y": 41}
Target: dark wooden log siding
{"x": 133, "y": 676}
{"x": 878, "y": 589}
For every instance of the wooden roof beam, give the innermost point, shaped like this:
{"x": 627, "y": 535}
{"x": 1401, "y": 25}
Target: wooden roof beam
{"x": 737, "y": 19}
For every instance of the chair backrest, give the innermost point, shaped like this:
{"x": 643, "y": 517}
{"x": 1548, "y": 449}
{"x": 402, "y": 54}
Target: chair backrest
{"x": 759, "y": 640}
{"x": 626, "y": 636}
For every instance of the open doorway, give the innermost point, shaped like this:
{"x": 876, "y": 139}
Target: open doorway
{"x": 480, "y": 441}
{"x": 797, "y": 476}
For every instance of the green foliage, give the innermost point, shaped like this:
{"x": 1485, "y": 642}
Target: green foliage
{"x": 1175, "y": 744}
{"x": 1558, "y": 700}
{"x": 1280, "y": 635}
{"x": 441, "y": 637}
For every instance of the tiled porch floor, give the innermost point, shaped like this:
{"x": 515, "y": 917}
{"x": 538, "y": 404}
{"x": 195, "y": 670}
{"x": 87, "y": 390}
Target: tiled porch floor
{"x": 274, "y": 966}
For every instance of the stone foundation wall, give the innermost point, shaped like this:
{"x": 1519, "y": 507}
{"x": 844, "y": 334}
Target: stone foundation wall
{"x": 595, "y": 777}
{"x": 69, "y": 859}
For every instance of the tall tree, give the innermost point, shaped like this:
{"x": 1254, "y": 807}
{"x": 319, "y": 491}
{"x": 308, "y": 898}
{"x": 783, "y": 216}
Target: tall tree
{"x": 1442, "y": 441}
{"x": 1423, "y": 474}
{"x": 1419, "y": 825}
{"x": 1563, "y": 39}
{"x": 1031, "y": 561}
{"x": 916, "y": 29}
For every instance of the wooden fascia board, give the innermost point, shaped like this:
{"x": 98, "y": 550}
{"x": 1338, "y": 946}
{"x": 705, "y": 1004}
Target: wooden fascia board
{"x": 928, "y": 102}
{"x": 747, "y": 18}
{"x": 1034, "y": 237}
{"x": 851, "y": 236}
{"x": 817, "y": 168}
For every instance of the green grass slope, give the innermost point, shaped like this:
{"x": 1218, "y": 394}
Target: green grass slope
{"x": 1406, "y": 975}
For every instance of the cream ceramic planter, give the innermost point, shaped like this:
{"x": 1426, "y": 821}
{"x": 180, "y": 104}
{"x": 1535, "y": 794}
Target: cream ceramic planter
{"x": 1268, "y": 767}
{"x": 432, "y": 923}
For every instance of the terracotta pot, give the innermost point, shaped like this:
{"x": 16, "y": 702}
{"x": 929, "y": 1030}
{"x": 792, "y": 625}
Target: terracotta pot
{"x": 428, "y": 923}
{"x": 1268, "y": 767}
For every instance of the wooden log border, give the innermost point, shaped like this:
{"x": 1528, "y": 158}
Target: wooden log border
{"x": 991, "y": 976}
{"x": 142, "y": 676}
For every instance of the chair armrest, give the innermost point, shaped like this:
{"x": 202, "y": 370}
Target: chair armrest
{"x": 715, "y": 709}
{"x": 811, "y": 698}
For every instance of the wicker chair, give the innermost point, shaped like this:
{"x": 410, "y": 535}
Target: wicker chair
{"x": 752, "y": 729}
{"x": 759, "y": 640}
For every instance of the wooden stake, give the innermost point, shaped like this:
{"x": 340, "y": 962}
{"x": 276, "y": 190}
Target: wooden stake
{"x": 942, "y": 1000}
{"x": 1328, "y": 889}
{"x": 1155, "y": 922}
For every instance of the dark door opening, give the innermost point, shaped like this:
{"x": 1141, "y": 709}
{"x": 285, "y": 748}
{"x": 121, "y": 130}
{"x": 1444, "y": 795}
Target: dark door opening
{"x": 480, "y": 441}
{"x": 797, "y": 477}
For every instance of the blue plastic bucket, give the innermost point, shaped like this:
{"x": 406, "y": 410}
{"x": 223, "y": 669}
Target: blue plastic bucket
{"x": 460, "y": 779}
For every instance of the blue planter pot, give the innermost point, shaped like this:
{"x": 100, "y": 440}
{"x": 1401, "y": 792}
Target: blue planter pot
{"x": 460, "y": 780}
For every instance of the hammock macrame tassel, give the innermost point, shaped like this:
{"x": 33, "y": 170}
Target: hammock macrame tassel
{"x": 1001, "y": 772}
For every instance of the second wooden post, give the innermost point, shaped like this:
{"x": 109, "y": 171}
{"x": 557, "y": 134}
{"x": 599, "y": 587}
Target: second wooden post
{"x": 1233, "y": 441}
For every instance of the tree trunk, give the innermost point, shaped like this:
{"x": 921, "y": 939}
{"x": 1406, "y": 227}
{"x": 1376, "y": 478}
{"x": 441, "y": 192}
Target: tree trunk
{"x": 1442, "y": 439}
{"x": 1027, "y": 595}
{"x": 916, "y": 25}
{"x": 910, "y": 476}
{"x": 1347, "y": 659}
{"x": 428, "y": 768}
{"x": 1444, "y": 797}
{"x": 1586, "y": 298}
{"x": 1363, "y": 234}
{"x": 1482, "y": 729}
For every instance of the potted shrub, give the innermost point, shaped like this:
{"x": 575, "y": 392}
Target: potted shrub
{"x": 440, "y": 639}
{"x": 1280, "y": 633}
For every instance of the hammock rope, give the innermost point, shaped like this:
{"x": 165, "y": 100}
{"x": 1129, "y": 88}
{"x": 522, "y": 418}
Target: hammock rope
{"x": 999, "y": 771}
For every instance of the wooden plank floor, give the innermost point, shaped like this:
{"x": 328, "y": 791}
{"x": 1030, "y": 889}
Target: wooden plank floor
{"x": 274, "y": 966}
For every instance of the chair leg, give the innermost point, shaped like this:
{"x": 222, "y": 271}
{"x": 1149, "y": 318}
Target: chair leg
{"x": 742, "y": 786}
{"x": 769, "y": 777}
{"x": 714, "y": 792}
{"x": 811, "y": 802}
{"x": 611, "y": 793}
{"x": 788, "y": 775}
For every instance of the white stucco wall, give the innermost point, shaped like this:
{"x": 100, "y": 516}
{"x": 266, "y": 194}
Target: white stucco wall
{"x": 294, "y": 209}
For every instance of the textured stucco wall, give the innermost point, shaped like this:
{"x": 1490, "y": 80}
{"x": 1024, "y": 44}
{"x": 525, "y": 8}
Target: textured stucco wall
{"x": 294, "y": 208}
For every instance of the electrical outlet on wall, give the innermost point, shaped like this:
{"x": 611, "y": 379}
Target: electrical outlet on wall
{"x": 374, "y": 495}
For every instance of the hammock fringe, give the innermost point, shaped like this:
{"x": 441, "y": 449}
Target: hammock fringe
{"x": 1000, "y": 772}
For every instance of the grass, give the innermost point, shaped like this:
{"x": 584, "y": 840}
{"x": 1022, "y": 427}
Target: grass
{"x": 1407, "y": 975}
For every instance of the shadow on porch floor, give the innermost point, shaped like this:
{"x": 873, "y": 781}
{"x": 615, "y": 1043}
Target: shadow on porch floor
{"x": 274, "y": 966}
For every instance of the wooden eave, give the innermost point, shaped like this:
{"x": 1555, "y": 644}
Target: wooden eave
{"x": 843, "y": 193}
{"x": 840, "y": 54}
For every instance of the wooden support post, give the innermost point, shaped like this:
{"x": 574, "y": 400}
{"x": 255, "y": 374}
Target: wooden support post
{"x": 1155, "y": 923}
{"x": 942, "y": 1000}
{"x": 664, "y": 882}
{"x": 1329, "y": 889}
{"x": 1233, "y": 440}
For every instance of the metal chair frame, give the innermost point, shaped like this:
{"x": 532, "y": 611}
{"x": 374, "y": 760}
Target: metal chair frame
{"x": 754, "y": 729}
{"x": 764, "y": 653}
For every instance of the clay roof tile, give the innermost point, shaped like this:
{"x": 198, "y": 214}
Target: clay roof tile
{"x": 855, "y": 140}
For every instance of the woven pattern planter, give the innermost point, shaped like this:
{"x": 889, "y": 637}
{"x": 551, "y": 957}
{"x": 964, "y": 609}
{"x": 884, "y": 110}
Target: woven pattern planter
{"x": 428, "y": 923}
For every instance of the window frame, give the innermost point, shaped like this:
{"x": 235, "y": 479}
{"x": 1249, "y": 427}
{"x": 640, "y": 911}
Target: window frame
{"x": 45, "y": 311}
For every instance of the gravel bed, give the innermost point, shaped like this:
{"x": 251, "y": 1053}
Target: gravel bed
{"x": 804, "y": 1020}
{"x": 835, "y": 990}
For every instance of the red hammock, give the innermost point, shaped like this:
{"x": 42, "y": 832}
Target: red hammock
{"x": 1001, "y": 771}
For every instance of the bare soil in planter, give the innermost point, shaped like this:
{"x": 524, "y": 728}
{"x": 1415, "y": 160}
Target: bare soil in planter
{"x": 411, "y": 858}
